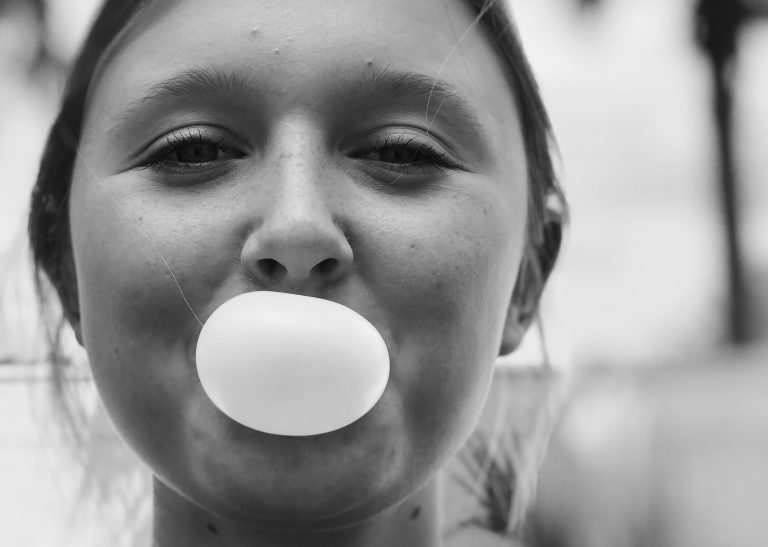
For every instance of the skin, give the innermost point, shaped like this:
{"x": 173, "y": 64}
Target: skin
{"x": 291, "y": 197}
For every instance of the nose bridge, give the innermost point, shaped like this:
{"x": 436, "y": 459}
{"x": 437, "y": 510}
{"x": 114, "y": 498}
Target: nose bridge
{"x": 300, "y": 236}
{"x": 303, "y": 205}
{"x": 300, "y": 195}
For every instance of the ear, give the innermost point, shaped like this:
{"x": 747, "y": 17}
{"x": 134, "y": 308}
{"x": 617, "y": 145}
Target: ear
{"x": 538, "y": 262}
{"x": 67, "y": 289}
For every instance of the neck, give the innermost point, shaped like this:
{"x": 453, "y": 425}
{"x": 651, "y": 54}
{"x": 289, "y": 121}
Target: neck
{"x": 180, "y": 523}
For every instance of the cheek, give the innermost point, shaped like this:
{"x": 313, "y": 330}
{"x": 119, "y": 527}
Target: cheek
{"x": 448, "y": 265}
{"x": 137, "y": 328}
{"x": 445, "y": 274}
{"x": 132, "y": 268}
{"x": 147, "y": 258}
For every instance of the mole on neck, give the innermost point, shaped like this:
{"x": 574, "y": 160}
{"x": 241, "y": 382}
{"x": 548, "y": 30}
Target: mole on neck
{"x": 180, "y": 523}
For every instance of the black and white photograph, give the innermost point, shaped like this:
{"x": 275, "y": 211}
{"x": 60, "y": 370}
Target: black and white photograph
{"x": 384, "y": 273}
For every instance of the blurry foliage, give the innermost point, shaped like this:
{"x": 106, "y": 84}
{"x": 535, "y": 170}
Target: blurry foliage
{"x": 45, "y": 59}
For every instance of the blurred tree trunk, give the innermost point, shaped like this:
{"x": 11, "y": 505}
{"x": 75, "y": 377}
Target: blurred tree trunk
{"x": 718, "y": 23}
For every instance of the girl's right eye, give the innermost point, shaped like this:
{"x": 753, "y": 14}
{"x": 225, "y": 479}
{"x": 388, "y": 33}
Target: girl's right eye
{"x": 191, "y": 150}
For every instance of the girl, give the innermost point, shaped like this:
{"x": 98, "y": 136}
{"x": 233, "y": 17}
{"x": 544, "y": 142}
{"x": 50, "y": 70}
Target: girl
{"x": 391, "y": 156}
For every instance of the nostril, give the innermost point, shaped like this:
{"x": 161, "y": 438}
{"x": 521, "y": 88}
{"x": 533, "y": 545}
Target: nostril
{"x": 271, "y": 268}
{"x": 326, "y": 267}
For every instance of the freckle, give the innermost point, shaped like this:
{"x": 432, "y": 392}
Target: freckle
{"x": 212, "y": 529}
{"x": 369, "y": 62}
{"x": 290, "y": 38}
{"x": 415, "y": 514}
{"x": 255, "y": 30}
{"x": 276, "y": 52}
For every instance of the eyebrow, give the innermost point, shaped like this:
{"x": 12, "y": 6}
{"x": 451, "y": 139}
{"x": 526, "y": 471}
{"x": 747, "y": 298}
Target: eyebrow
{"x": 394, "y": 83}
{"x": 398, "y": 83}
{"x": 196, "y": 81}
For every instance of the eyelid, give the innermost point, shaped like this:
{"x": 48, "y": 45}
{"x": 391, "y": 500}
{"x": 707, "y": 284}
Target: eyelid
{"x": 398, "y": 131}
{"x": 415, "y": 138}
{"x": 157, "y": 155}
{"x": 205, "y": 131}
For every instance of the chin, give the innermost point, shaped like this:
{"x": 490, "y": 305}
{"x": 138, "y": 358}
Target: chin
{"x": 324, "y": 481}
{"x": 326, "y": 496}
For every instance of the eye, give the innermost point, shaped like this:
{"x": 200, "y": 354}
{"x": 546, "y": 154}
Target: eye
{"x": 405, "y": 154}
{"x": 191, "y": 150}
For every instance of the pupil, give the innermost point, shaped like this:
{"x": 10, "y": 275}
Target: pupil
{"x": 198, "y": 153}
{"x": 398, "y": 155}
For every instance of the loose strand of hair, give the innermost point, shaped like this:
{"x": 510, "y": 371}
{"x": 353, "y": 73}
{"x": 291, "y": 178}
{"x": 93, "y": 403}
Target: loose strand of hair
{"x": 447, "y": 58}
{"x": 141, "y": 232}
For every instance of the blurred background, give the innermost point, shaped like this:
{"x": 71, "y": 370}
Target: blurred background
{"x": 657, "y": 313}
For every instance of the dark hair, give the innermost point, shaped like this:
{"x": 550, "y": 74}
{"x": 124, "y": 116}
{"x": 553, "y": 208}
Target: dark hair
{"x": 49, "y": 230}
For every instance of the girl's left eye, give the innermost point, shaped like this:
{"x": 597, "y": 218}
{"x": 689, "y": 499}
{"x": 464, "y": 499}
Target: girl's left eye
{"x": 190, "y": 150}
{"x": 405, "y": 154}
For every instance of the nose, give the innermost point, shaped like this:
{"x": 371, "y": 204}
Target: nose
{"x": 298, "y": 241}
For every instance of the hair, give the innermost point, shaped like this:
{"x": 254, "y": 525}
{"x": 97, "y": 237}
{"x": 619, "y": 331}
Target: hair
{"x": 49, "y": 223}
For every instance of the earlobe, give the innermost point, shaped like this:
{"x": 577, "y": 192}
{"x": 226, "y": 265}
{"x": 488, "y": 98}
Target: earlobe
{"x": 78, "y": 332}
{"x": 523, "y": 306}
{"x": 68, "y": 294}
{"x": 72, "y": 315}
{"x": 537, "y": 264}
{"x": 514, "y": 330}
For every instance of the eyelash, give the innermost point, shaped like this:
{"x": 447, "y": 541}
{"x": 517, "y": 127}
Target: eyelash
{"x": 431, "y": 159}
{"x": 176, "y": 142}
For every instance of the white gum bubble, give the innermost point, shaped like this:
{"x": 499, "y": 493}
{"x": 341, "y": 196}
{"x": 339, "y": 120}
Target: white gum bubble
{"x": 292, "y": 365}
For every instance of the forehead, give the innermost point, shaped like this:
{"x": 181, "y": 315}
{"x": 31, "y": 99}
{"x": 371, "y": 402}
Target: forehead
{"x": 389, "y": 28}
{"x": 298, "y": 49}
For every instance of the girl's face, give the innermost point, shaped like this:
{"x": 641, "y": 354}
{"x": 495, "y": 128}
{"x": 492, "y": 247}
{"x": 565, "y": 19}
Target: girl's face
{"x": 363, "y": 151}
